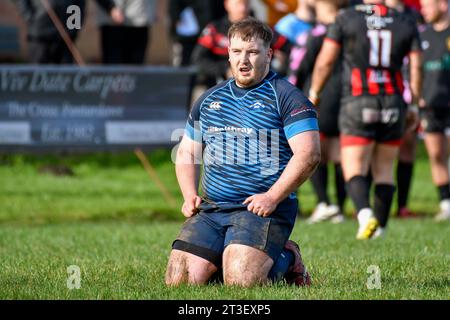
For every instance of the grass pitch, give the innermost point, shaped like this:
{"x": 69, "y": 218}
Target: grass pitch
{"x": 110, "y": 220}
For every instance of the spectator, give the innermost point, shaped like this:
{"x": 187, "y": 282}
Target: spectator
{"x": 45, "y": 44}
{"x": 126, "y": 42}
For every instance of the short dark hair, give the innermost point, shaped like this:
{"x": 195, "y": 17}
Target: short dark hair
{"x": 250, "y": 28}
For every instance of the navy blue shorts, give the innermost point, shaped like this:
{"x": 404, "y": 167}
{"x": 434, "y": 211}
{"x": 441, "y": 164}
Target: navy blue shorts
{"x": 216, "y": 226}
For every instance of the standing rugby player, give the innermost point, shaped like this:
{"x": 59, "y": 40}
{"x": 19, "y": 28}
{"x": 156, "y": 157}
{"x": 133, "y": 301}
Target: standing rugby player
{"x": 373, "y": 116}
{"x": 436, "y": 104}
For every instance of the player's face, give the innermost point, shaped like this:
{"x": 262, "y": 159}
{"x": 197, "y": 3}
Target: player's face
{"x": 237, "y": 9}
{"x": 430, "y": 10}
{"x": 249, "y": 60}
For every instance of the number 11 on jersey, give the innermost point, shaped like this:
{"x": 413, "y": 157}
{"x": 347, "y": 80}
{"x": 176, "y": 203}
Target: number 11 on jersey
{"x": 380, "y": 48}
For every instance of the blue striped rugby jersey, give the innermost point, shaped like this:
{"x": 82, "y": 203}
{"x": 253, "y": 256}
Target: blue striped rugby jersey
{"x": 245, "y": 134}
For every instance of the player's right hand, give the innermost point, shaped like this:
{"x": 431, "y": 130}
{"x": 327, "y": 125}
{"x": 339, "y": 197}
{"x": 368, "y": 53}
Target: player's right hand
{"x": 190, "y": 206}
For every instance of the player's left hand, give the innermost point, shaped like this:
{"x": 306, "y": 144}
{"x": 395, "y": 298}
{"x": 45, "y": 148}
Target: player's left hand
{"x": 261, "y": 204}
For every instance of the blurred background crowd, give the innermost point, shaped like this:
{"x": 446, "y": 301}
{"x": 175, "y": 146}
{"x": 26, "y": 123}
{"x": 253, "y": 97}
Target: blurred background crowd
{"x": 155, "y": 31}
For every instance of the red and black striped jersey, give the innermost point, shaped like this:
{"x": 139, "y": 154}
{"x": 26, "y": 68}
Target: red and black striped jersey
{"x": 374, "y": 39}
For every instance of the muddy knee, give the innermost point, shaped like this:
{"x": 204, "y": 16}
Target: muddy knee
{"x": 186, "y": 268}
{"x": 245, "y": 266}
{"x": 177, "y": 271}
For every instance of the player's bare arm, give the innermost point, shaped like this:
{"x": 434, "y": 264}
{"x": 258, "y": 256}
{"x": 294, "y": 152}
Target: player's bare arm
{"x": 415, "y": 82}
{"x": 415, "y": 71}
{"x": 322, "y": 70}
{"x": 188, "y": 172}
{"x": 306, "y": 156}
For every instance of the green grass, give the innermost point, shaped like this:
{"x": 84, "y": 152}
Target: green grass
{"x": 103, "y": 187}
{"x": 111, "y": 221}
{"x": 127, "y": 261}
